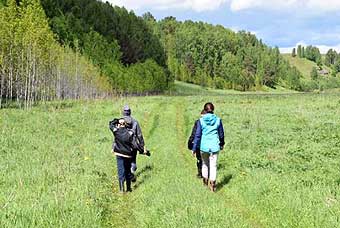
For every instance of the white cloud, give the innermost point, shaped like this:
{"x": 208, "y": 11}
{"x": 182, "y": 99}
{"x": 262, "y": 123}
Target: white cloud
{"x": 326, "y": 5}
{"x": 309, "y": 5}
{"x": 238, "y": 5}
{"x": 235, "y": 5}
{"x": 196, "y": 5}
{"x": 323, "y": 48}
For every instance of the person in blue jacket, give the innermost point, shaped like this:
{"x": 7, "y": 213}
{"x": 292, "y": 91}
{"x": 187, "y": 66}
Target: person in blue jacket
{"x": 209, "y": 138}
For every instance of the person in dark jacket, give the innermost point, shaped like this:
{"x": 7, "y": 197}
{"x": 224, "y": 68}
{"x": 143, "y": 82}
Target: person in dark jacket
{"x": 138, "y": 139}
{"x": 209, "y": 138}
{"x": 122, "y": 147}
{"x": 197, "y": 152}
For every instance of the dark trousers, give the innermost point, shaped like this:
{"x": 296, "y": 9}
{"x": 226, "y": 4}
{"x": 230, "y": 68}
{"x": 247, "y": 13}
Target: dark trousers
{"x": 199, "y": 162}
{"x": 134, "y": 161}
{"x": 124, "y": 168}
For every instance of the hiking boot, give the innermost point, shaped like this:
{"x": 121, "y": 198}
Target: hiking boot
{"x": 121, "y": 187}
{"x": 205, "y": 181}
{"x": 199, "y": 173}
{"x": 213, "y": 186}
{"x": 147, "y": 153}
{"x": 128, "y": 186}
{"x": 133, "y": 178}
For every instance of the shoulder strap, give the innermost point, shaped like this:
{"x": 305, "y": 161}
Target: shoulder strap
{"x": 219, "y": 121}
{"x": 202, "y": 122}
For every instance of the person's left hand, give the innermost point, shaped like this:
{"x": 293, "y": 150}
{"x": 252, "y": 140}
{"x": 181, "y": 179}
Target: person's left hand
{"x": 193, "y": 153}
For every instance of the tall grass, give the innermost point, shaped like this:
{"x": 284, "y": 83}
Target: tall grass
{"x": 280, "y": 166}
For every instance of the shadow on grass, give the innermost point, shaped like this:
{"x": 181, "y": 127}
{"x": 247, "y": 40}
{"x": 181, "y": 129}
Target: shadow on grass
{"x": 143, "y": 175}
{"x": 225, "y": 180}
{"x": 220, "y": 166}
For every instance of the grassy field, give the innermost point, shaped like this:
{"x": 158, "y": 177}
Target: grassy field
{"x": 280, "y": 166}
{"x": 187, "y": 89}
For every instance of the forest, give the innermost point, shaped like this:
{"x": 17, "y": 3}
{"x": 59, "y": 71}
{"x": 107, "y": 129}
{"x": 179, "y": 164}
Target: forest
{"x": 34, "y": 66}
{"x": 78, "y": 49}
{"x": 217, "y": 57}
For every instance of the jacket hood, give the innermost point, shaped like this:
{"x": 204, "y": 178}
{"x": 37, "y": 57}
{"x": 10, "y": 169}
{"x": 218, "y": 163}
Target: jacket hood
{"x": 209, "y": 119}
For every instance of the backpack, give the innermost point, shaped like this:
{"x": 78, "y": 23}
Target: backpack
{"x": 192, "y": 136}
{"x": 123, "y": 138}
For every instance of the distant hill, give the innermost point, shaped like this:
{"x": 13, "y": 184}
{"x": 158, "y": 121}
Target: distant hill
{"x": 305, "y": 66}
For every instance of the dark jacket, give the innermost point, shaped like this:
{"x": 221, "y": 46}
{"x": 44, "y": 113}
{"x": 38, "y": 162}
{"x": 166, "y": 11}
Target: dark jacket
{"x": 123, "y": 138}
{"x": 199, "y": 132}
{"x": 192, "y": 136}
{"x": 138, "y": 139}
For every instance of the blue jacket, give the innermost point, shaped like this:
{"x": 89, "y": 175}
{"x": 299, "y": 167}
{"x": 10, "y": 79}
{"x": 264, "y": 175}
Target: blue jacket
{"x": 209, "y": 134}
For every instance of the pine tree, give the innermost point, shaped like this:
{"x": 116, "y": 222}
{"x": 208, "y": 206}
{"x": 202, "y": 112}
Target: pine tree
{"x": 330, "y": 57}
{"x": 303, "y": 52}
{"x": 293, "y": 53}
{"x": 299, "y": 51}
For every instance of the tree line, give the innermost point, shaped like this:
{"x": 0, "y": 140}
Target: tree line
{"x": 332, "y": 59}
{"x": 33, "y": 66}
{"x": 217, "y": 57}
{"x": 193, "y": 52}
{"x": 120, "y": 43}
{"x": 70, "y": 49}
{"x": 310, "y": 52}
{"x": 84, "y": 49}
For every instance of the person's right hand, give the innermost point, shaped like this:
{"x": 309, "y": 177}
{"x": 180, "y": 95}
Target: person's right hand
{"x": 193, "y": 153}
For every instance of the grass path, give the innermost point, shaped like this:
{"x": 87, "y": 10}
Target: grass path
{"x": 167, "y": 193}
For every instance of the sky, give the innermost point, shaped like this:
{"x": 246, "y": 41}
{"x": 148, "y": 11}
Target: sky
{"x": 281, "y": 23}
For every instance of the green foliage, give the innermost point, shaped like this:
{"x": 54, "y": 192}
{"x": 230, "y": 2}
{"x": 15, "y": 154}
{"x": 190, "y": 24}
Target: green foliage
{"x": 299, "y": 51}
{"x": 303, "y": 52}
{"x": 314, "y": 74}
{"x": 204, "y": 54}
{"x": 292, "y": 80}
{"x": 140, "y": 78}
{"x": 99, "y": 50}
{"x": 336, "y": 65}
{"x": 72, "y": 20}
{"x": 332, "y": 60}
{"x": 331, "y": 57}
{"x": 111, "y": 36}
{"x": 322, "y": 83}
{"x": 313, "y": 54}
{"x": 294, "y": 52}
{"x": 32, "y": 63}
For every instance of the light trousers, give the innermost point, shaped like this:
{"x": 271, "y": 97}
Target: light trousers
{"x": 209, "y": 165}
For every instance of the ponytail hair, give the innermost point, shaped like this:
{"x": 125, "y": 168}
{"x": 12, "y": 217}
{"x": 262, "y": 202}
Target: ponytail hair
{"x": 209, "y": 108}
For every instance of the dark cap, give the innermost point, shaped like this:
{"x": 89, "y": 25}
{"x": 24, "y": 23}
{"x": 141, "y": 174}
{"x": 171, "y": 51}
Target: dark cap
{"x": 126, "y": 110}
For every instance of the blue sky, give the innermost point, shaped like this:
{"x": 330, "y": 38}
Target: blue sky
{"x": 282, "y": 23}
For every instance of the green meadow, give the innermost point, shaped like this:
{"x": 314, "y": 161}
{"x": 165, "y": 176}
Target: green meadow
{"x": 280, "y": 166}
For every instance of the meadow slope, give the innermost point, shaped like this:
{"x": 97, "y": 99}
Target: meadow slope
{"x": 279, "y": 168}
